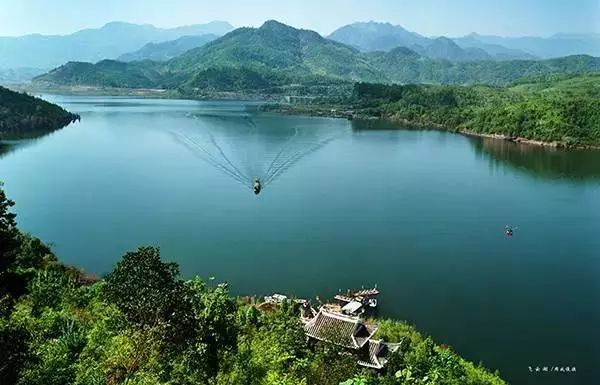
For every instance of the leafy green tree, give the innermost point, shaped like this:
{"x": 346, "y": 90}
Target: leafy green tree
{"x": 203, "y": 330}
{"x": 360, "y": 380}
{"x": 9, "y": 234}
{"x": 33, "y": 253}
{"x": 215, "y": 316}
{"x": 14, "y": 340}
{"x": 55, "y": 357}
{"x": 331, "y": 365}
{"x": 143, "y": 287}
{"x": 48, "y": 289}
{"x": 11, "y": 284}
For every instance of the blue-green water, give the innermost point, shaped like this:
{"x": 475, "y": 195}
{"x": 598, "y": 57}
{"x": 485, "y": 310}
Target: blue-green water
{"x": 420, "y": 213}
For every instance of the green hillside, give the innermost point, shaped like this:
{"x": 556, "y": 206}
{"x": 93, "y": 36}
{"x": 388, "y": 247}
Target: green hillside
{"x": 23, "y": 116}
{"x": 278, "y": 48}
{"x": 402, "y": 65}
{"x": 106, "y": 73}
{"x": 564, "y": 110}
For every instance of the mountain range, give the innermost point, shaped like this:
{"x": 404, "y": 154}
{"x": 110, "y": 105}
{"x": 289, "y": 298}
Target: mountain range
{"x": 277, "y": 55}
{"x": 544, "y": 47}
{"x": 21, "y": 58}
{"x": 374, "y": 36}
{"x": 91, "y": 45}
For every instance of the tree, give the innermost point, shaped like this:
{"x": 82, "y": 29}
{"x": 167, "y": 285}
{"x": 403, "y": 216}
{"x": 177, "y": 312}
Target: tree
{"x": 13, "y": 351}
{"x": 215, "y": 314}
{"x": 360, "y": 380}
{"x": 143, "y": 287}
{"x": 11, "y": 285}
{"x": 203, "y": 328}
{"x": 34, "y": 253}
{"x": 9, "y": 242}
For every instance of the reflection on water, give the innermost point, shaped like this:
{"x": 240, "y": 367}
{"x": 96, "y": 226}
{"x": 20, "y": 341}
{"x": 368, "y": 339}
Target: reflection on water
{"x": 539, "y": 161}
{"x": 7, "y": 147}
{"x": 4, "y": 149}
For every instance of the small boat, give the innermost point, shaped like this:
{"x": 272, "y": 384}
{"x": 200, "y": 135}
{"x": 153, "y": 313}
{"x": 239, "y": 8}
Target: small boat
{"x": 276, "y": 298}
{"x": 349, "y": 302}
{"x": 342, "y": 299}
{"x": 372, "y": 302}
{"x": 366, "y": 292}
{"x": 257, "y": 186}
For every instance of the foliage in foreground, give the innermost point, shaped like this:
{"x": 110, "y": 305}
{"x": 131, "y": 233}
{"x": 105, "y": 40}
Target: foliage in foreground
{"x": 144, "y": 325}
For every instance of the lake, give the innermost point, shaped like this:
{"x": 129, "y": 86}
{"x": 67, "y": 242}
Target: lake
{"x": 345, "y": 204}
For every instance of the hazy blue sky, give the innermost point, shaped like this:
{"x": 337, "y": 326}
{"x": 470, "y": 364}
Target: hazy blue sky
{"x": 428, "y": 17}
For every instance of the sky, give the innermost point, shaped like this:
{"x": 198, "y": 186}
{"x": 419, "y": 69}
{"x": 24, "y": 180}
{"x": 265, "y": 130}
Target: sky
{"x": 427, "y": 17}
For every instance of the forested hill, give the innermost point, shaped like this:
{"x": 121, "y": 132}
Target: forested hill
{"x": 402, "y": 65}
{"x": 24, "y": 116}
{"x": 275, "y": 55}
{"x": 279, "y": 48}
{"x": 559, "y": 110}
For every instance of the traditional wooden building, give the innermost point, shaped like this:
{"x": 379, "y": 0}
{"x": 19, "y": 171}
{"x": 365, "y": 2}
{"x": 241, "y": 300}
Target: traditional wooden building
{"x": 351, "y": 333}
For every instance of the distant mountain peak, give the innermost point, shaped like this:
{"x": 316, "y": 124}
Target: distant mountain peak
{"x": 444, "y": 40}
{"x": 378, "y": 26}
{"x": 376, "y": 36}
{"x": 274, "y": 24}
{"x": 219, "y": 22}
{"x": 372, "y": 23}
{"x": 281, "y": 29}
{"x": 272, "y": 53}
{"x": 119, "y": 25}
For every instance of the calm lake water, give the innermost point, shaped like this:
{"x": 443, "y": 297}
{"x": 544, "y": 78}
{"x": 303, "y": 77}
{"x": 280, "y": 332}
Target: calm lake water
{"x": 420, "y": 213}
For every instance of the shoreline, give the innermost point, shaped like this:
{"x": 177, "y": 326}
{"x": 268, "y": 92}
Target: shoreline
{"x": 529, "y": 142}
{"x": 271, "y": 105}
{"x": 404, "y": 123}
{"x": 143, "y": 93}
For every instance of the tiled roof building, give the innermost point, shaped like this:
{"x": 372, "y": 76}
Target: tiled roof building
{"x": 351, "y": 333}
